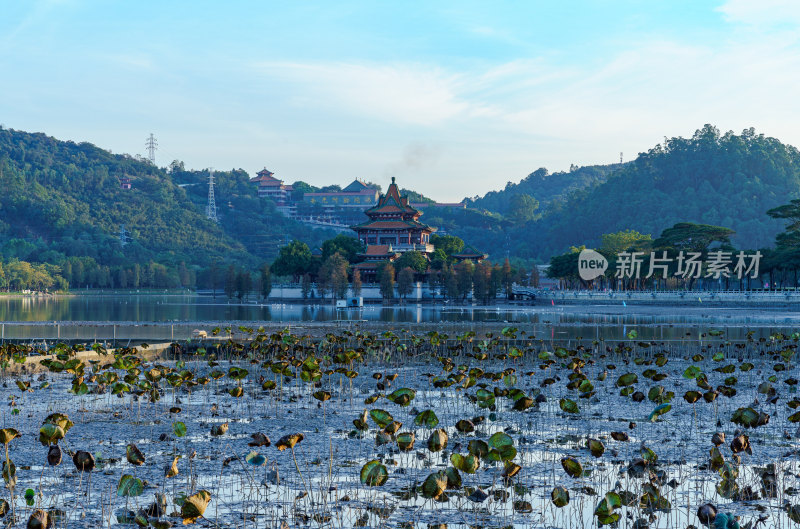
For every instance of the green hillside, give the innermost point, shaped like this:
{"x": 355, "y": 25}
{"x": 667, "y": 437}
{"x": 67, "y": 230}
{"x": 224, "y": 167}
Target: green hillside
{"x": 727, "y": 180}
{"x": 62, "y": 203}
{"x": 547, "y": 188}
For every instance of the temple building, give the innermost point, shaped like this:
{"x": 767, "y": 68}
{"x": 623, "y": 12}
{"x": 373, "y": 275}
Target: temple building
{"x": 356, "y": 195}
{"x": 393, "y": 228}
{"x": 274, "y": 189}
{"x": 470, "y": 254}
{"x": 392, "y": 221}
{"x": 271, "y": 187}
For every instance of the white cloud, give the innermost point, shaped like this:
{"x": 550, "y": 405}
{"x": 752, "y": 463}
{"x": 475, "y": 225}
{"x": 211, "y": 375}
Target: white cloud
{"x": 405, "y": 94}
{"x": 761, "y": 12}
{"x": 501, "y": 121}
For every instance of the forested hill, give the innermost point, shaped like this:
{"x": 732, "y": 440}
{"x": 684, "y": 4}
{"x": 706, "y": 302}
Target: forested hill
{"x": 62, "y": 203}
{"x": 729, "y": 180}
{"x": 547, "y": 188}
{"x": 63, "y": 200}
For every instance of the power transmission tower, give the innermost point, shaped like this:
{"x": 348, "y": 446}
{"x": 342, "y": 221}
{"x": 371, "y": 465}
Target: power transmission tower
{"x": 151, "y": 145}
{"x": 620, "y": 157}
{"x": 211, "y": 207}
{"x": 124, "y": 238}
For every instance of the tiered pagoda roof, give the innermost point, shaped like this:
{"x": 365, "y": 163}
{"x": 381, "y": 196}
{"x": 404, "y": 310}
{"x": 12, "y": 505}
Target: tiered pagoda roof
{"x": 264, "y": 178}
{"x": 470, "y": 253}
{"x": 391, "y": 224}
{"x": 392, "y": 204}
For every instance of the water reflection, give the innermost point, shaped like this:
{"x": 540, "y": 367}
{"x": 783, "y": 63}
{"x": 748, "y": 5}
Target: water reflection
{"x": 609, "y": 321}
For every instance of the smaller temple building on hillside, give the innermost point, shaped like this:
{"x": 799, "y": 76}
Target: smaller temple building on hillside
{"x": 470, "y": 254}
{"x": 356, "y": 195}
{"x": 274, "y": 189}
{"x": 271, "y": 187}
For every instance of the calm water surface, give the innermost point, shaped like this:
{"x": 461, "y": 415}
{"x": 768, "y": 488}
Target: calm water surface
{"x": 28, "y": 317}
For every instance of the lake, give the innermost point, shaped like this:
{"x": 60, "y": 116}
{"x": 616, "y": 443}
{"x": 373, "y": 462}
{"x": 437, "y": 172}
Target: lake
{"x": 175, "y": 316}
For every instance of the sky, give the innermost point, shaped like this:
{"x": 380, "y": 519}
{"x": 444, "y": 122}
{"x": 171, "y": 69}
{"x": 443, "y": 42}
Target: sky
{"x": 453, "y": 98}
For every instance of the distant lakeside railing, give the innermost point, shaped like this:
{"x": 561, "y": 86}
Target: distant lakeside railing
{"x": 697, "y": 296}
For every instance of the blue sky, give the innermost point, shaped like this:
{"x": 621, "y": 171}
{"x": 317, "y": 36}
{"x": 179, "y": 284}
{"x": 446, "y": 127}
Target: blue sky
{"x": 453, "y": 98}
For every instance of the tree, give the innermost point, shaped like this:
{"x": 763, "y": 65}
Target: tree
{"x": 305, "y": 286}
{"x": 386, "y": 280}
{"x": 266, "y": 281}
{"x": 356, "y": 286}
{"x": 790, "y": 238}
{"x": 184, "y": 275}
{"x": 688, "y": 236}
{"x": 122, "y": 278}
{"x": 464, "y": 271}
{"x": 564, "y": 267}
{"x": 137, "y": 276}
{"x": 333, "y": 275}
{"x": 451, "y": 283}
{"x": 482, "y": 281}
{"x": 348, "y": 247}
{"x": 438, "y": 259}
{"x": 294, "y": 260}
{"x": 612, "y": 244}
{"x": 533, "y": 281}
{"x": 230, "y": 281}
{"x": 495, "y": 281}
{"x": 20, "y": 275}
{"x": 405, "y": 281}
{"x": 507, "y": 278}
{"x": 414, "y": 260}
{"x": 523, "y": 208}
{"x": 244, "y": 283}
{"x": 300, "y": 188}
{"x": 449, "y": 244}
{"x": 790, "y": 211}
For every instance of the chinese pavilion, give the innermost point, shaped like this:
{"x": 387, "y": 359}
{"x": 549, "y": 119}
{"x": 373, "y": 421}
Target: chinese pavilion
{"x": 470, "y": 254}
{"x": 394, "y": 222}
{"x": 393, "y": 228}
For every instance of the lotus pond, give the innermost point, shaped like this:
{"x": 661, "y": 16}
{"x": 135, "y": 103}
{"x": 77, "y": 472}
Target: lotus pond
{"x": 395, "y": 429}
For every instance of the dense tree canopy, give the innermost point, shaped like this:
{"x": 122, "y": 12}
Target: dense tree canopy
{"x": 64, "y": 201}
{"x": 718, "y": 179}
{"x": 688, "y": 236}
{"x": 449, "y": 244}
{"x": 614, "y": 243}
{"x": 293, "y": 260}
{"x": 414, "y": 260}
{"x": 63, "y": 205}
{"x": 349, "y": 247}
{"x": 523, "y": 208}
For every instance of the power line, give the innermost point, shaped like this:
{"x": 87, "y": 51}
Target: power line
{"x": 151, "y": 145}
